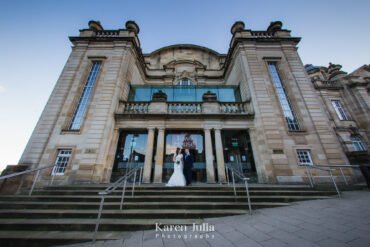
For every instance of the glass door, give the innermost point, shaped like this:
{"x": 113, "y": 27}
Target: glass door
{"x": 185, "y": 139}
{"x": 238, "y": 152}
{"x": 130, "y": 152}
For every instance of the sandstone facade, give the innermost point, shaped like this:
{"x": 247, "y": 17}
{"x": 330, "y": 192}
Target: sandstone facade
{"x": 258, "y": 111}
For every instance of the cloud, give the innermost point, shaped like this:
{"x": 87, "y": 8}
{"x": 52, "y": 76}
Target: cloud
{"x": 2, "y": 89}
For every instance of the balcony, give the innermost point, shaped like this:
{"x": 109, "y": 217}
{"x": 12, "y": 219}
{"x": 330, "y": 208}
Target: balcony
{"x": 150, "y": 109}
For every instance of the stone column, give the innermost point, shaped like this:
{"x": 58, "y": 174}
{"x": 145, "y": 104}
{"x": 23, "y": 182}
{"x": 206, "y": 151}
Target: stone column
{"x": 257, "y": 156}
{"x": 158, "y": 168}
{"x": 220, "y": 157}
{"x": 148, "y": 156}
{"x": 209, "y": 156}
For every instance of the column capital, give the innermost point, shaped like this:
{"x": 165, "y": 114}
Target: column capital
{"x": 161, "y": 128}
{"x": 151, "y": 128}
{"x": 217, "y": 128}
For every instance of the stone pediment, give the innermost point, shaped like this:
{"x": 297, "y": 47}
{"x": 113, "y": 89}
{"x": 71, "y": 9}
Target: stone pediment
{"x": 177, "y": 63}
{"x": 175, "y": 56}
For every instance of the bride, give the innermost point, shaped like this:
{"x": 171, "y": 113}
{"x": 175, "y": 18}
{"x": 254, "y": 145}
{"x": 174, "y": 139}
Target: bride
{"x": 177, "y": 178}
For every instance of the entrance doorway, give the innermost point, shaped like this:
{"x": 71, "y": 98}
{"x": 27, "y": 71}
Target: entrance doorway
{"x": 238, "y": 152}
{"x": 130, "y": 152}
{"x": 192, "y": 139}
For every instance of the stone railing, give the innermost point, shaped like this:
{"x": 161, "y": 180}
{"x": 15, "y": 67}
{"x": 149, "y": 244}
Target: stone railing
{"x": 334, "y": 84}
{"x": 184, "y": 107}
{"x": 135, "y": 107}
{"x": 107, "y": 33}
{"x": 232, "y": 109}
{"x": 261, "y": 34}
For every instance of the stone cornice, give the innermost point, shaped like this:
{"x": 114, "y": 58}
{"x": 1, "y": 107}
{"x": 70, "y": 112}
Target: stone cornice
{"x": 240, "y": 35}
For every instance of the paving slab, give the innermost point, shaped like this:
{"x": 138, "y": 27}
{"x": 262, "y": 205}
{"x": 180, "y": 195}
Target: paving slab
{"x": 327, "y": 222}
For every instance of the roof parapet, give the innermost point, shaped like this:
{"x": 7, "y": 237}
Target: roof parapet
{"x": 273, "y": 31}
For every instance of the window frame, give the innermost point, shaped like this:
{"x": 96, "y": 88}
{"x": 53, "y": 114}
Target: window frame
{"x": 283, "y": 105}
{"x": 58, "y": 159}
{"x": 307, "y": 151}
{"x": 339, "y": 109}
{"x": 360, "y": 146}
{"x": 85, "y": 101}
{"x": 182, "y": 84}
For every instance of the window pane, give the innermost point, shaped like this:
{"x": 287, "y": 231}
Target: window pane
{"x": 184, "y": 82}
{"x": 85, "y": 97}
{"x": 283, "y": 98}
{"x": 142, "y": 94}
{"x": 357, "y": 144}
{"x": 226, "y": 94}
{"x": 339, "y": 110}
{"x": 61, "y": 161}
{"x": 304, "y": 157}
{"x": 184, "y": 93}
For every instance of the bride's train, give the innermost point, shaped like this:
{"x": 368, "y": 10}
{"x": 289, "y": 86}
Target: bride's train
{"x": 177, "y": 178}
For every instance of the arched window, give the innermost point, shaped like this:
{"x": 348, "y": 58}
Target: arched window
{"x": 184, "y": 82}
{"x": 357, "y": 143}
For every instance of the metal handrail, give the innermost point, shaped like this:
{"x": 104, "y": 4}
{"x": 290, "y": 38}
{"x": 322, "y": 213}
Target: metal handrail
{"x": 112, "y": 187}
{"x": 340, "y": 167}
{"x": 311, "y": 178}
{"x": 245, "y": 179}
{"x": 37, "y": 170}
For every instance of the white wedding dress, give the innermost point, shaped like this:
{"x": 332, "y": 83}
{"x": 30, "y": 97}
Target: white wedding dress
{"x": 177, "y": 178}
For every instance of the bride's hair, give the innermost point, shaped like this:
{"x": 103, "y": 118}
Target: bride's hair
{"x": 178, "y": 150}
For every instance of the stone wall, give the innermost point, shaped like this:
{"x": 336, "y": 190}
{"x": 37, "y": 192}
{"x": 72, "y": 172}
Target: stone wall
{"x": 123, "y": 64}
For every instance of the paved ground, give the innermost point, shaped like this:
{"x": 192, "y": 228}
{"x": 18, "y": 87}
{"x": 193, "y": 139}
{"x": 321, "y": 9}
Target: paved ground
{"x": 330, "y": 222}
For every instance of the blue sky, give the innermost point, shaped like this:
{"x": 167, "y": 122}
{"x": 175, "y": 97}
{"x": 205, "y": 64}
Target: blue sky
{"x": 34, "y": 43}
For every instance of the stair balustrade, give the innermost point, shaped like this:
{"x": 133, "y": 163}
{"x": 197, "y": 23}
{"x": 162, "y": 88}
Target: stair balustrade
{"x": 112, "y": 187}
{"x": 37, "y": 170}
{"x": 234, "y": 173}
{"x": 311, "y": 177}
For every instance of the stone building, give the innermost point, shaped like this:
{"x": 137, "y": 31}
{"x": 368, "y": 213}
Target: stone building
{"x": 254, "y": 108}
{"x": 347, "y": 102}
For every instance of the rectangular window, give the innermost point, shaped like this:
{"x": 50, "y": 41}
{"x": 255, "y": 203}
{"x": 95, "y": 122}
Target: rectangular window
{"x": 85, "y": 96}
{"x": 61, "y": 161}
{"x": 289, "y": 115}
{"x": 304, "y": 157}
{"x": 185, "y": 93}
{"x": 357, "y": 144}
{"x": 339, "y": 110}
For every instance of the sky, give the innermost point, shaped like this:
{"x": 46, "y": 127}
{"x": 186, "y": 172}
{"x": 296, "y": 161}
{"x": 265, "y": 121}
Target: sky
{"x": 34, "y": 43}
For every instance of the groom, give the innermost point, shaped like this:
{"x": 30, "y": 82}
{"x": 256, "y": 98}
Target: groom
{"x": 188, "y": 166}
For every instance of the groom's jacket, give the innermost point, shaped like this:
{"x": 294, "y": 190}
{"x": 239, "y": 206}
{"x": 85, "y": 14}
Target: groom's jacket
{"x": 188, "y": 161}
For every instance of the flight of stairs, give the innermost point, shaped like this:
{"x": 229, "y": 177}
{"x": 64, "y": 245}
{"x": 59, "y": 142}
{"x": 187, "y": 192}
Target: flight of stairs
{"x": 67, "y": 214}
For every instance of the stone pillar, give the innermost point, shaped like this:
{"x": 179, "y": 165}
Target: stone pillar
{"x": 257, "y": 155}
{"x": 148, "y": 156}
{"x": 209, "y": 156}
{"x": 220, "y": 157}
{"x": 158, "y": 168}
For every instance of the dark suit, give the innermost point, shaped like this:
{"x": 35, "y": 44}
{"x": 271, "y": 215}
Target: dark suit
{"x": 188, "y": 166}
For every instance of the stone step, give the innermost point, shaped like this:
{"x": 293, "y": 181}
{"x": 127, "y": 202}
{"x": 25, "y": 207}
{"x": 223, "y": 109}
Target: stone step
{"x": 212, "y": 187}
{"x": 78, "y": 224}
{"x": 51, "y": 238}
{"x": 179, "y": 192}
{"x": 161, "y": 198}
{"x": 6, "y": 214}
{"x": 63, "y": 210}
{"x": 134, "y": 205}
